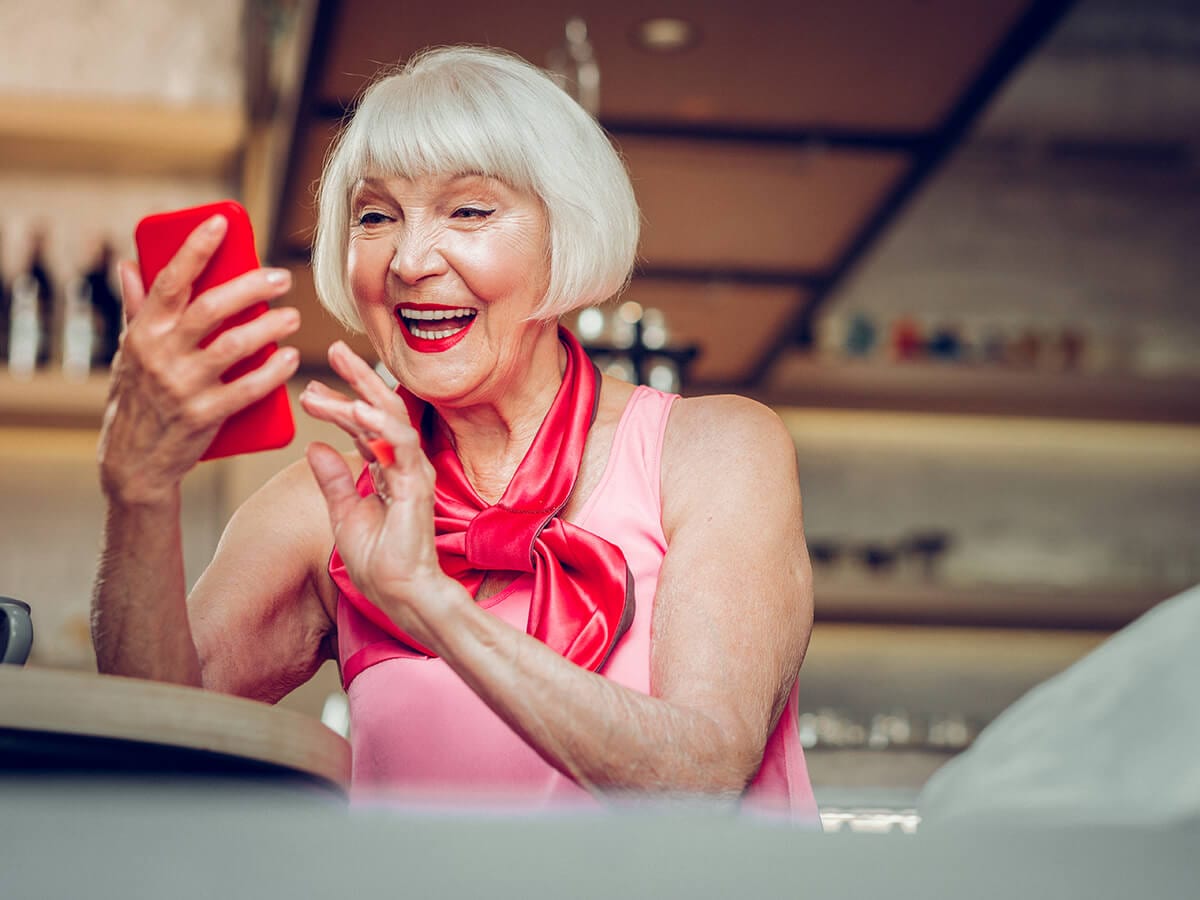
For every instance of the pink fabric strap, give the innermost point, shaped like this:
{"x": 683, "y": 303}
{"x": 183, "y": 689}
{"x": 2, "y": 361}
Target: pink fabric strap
{"x": 583, "y": 598}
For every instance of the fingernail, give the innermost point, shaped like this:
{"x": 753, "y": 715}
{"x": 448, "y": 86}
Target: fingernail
{"x": 385, "y": 454}
{"x": 278, "y": 276}
{"x": 215, "y": 225}
{"x": 291, "y": 355}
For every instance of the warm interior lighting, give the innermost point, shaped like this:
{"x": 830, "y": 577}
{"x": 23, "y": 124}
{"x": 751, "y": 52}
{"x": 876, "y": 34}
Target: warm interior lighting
{"x": 590, "y": 324}
{"x": 664, "y": 34}
{"x": 631, "y": 312}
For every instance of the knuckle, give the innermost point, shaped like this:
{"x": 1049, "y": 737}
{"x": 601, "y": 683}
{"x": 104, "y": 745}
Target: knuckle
{"x": 205, "y": 308}
{"x": 171, "y": 281}
{"x": 155, "y": 368}
{"x": 175, "y": 394}
{"x": 408, "y": 439}
{"x": 195, "y": 414}
{"x": 232, "y": 344}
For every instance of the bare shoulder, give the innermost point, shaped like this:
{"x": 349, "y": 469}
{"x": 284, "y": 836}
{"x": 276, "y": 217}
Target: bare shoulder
{"x": 285, "y": 523}
{"x": 287, "y": 502}
{"x": 725, "y": 449}
{"x": 724, "y": 430}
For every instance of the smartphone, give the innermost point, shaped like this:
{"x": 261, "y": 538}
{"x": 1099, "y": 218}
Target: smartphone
{"x": 266, "y": 424}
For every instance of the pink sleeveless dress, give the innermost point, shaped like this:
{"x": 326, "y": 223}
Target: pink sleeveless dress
{"x": 420, "y": 735}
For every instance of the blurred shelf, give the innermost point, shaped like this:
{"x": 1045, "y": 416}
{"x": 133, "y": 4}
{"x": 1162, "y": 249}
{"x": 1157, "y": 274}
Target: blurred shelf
{"x": 49, "y": 400}
{"x": 991, "y": 605}
{"x": 950, "y": 388}
{"x": 76, "y": 134}
{"x": 862, "y": 668}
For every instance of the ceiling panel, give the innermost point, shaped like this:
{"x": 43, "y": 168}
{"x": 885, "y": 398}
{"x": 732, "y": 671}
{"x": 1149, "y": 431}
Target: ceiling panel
{"x": 731, "y": 324}
{"x": 740, "y": 206}
{"x": 868, "y": 64}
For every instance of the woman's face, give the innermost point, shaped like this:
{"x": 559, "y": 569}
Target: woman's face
{"x": 445, "y": 270}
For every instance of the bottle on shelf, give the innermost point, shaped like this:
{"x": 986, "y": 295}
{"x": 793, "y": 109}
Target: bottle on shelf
{"x": 860, "y": 336}
{"x": 106, "y": 311}
{"x": 945, "y": 343}
{"x": 31, "y": 311}
{"x": 5, "y": 314}
{"x": 38, "y": 274}
{"x": 79, "y": 330}
{"x": 24, "y": 332}
{"x": 907, "y": 342}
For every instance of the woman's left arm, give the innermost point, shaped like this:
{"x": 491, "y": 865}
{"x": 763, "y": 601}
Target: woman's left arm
{"x": 731, "y": 618}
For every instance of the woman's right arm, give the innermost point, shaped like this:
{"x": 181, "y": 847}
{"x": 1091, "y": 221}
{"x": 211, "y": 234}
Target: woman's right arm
{"x": 166, "y": 402}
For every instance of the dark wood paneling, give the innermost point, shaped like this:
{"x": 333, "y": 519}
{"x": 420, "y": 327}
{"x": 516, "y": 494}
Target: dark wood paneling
{"x": 880, "y": 64}
{"x": 752, "y": 207}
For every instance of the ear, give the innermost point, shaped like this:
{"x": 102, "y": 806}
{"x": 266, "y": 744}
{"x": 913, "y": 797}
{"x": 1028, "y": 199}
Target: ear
{"x": 133, "y": 292}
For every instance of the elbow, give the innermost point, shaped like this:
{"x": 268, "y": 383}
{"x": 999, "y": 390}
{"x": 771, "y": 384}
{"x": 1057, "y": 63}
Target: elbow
{"x": 736, "y": 750}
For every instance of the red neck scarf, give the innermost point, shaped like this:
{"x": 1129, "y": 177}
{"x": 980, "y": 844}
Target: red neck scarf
{"x": 582, "y": 599}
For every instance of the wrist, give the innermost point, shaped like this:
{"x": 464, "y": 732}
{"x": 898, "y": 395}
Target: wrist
{"x": 133, "y": 492}
{"x": 440, "y": 615}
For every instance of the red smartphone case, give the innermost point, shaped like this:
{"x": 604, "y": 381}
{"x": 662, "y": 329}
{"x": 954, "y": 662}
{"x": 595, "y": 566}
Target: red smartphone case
{"x": 266, "y": 424}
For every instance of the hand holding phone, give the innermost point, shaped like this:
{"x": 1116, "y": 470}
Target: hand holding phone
{"x": 266, "y": 424}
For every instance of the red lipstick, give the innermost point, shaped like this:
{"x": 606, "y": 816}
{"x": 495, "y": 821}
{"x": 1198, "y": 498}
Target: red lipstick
{"x": 433, "y": 345}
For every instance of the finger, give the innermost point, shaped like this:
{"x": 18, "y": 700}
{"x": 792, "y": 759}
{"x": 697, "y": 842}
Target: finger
{"x": 406, "y": 484}
{"x": 241, "y": 341}
{"x": 329, "y": 406}
{"x": 133, "y": 292}
{"x": 395, "y": 443}
{"x": 334, "y": 480}
{"x": 365, "y": 380}
{"x": 172, "y": 288}
{"x": 320, "y": 389}
{"x": 204, "y": 314}
{"x": 224, "y": 399}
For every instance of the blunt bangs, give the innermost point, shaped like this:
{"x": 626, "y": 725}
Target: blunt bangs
{"x": 464, "y": 110}
{"x": 419, "y": 133}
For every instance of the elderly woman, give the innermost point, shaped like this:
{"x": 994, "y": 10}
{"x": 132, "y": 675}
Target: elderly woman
{"x": 545, "y": 584}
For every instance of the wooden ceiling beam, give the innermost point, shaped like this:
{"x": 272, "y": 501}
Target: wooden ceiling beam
{"x": 822, "y": 135}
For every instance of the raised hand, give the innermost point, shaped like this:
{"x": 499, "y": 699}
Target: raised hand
{"x": 386, "y": 539}
{"x": 166, "y": 399}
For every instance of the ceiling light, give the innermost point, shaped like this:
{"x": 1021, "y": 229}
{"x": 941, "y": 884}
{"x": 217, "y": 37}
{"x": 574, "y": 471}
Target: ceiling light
{"x": 664, "y": 34}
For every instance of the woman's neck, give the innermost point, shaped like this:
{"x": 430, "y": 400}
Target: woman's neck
{"x": 492, "y": 438}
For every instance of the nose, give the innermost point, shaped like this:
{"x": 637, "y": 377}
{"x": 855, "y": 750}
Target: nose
{"x": 417, "y": 255}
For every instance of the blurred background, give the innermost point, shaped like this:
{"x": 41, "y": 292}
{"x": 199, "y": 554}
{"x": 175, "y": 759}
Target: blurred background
{"x": 953, "y": 244}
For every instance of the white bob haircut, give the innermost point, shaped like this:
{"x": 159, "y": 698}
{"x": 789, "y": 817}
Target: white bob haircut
{"x": 470, "y": 110}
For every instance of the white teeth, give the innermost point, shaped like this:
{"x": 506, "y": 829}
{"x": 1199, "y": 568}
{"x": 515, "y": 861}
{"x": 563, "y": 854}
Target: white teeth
{"x": 412, "y": 318}
{"x": 433, "y": 335}
{"x": 433, "y": 315}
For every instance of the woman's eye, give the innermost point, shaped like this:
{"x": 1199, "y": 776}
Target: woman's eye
{"x": 371, "y": 218}
{"x": 472, "y": 212}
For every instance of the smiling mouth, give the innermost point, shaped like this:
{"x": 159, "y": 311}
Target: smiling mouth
{"x": 434, "y": 324}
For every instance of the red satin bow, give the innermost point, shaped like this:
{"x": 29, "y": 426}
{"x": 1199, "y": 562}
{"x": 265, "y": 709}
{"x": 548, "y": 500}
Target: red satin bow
{"x": 583, "y": 598}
